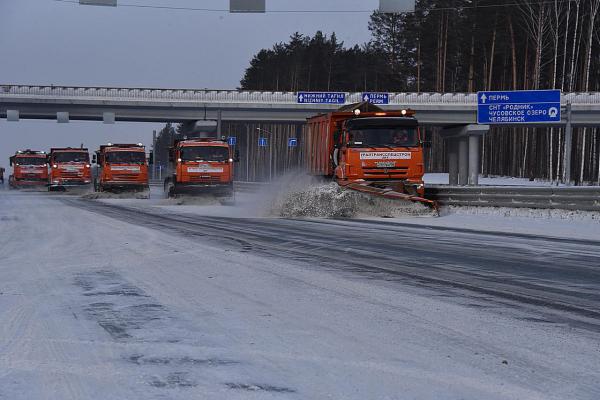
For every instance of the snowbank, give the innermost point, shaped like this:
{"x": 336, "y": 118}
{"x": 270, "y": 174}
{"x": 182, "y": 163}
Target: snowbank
{"x": 329, "y": 200}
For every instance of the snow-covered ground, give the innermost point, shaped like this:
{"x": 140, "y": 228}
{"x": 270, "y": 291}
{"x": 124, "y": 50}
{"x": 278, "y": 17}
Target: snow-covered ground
{"x": 547, "y": 223}
{"x": 93, "y": 307}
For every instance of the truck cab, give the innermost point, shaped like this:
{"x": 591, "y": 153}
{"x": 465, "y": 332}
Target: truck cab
{"x": 201, "y": 166}
{"x": 30, "y": 168}
{"x": 121, "y": 167}
{"x": 378, "y": 148}
{"x": 69, "y": 167}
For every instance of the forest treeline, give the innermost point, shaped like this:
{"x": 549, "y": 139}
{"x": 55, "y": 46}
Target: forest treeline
{"x": 462, "y": 46}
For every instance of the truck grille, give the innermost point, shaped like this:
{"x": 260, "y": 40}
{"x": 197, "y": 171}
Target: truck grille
{"x": 386, "y": 171}
{"x": 125, "y": 177}
{"x": 205, "y": 179}
{"x": 71, "y": 175}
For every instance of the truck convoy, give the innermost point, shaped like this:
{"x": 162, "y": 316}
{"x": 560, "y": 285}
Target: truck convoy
{"x": 375, "y": 152}
{"x": 30, "y": 169}
{"x": 201, "y": 166}
{"x": 69, "y": 167}
{"x": 121, "y": 167}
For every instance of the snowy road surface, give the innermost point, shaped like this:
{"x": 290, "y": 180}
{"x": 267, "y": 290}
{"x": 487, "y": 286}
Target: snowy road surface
{"x": 100, "y": 301}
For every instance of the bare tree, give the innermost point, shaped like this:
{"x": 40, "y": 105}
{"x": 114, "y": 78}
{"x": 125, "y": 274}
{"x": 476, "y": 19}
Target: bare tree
{"x": 593, "y": 12}
{"x": 575, "y": 46}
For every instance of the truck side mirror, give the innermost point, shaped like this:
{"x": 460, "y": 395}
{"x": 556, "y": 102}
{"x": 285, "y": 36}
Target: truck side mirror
{"x": 426, "y": 144}
{"x": 151, "y": 158}
{"x": 94, "y": 159}
{"x": 10, "y": 161}
{"x": 236, "y": 156}
{"x": 171, "y": 154}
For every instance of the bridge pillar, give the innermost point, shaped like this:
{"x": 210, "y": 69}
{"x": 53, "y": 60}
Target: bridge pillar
{"x": 219, "y": 123}
{"x": 474, "y": 164}
{"x": 453, "y": 161}
{"x": 463, "y": 160}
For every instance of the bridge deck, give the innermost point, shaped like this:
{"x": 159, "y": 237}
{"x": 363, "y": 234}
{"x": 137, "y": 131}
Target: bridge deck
{"x": 152, "y": 104}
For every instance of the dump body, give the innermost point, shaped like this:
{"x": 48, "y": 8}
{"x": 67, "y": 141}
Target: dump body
{"x": 379, "y": 148}
{"x": 69, "y": 167}
{"x": 201, "y": 165}
{"x": 121, "y": 167}
{"x": 30, "y": 168}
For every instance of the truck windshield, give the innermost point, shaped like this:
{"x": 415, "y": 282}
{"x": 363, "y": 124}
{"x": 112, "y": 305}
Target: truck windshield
{"x": 30, "y": 160}
{"x": 125, "y": 157}
{"x": 383, "y": 137}
{"x": 204, "y": 153}
{"x": 71, "y": 156}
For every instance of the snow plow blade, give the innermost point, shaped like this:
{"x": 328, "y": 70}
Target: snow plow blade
{"x": 388, "y": 192}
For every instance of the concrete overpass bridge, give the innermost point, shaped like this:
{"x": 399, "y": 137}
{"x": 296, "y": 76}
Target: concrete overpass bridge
{"x": 177, "y": 105}
{"x": 455, "y": 112}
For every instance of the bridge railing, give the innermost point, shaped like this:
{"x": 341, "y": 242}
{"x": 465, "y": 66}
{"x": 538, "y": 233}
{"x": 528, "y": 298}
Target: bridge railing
{"x": 241, "y": 96}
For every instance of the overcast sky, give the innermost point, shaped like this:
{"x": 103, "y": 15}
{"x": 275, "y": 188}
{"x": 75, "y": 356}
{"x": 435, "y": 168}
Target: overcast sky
{"x": 62, "y": 43}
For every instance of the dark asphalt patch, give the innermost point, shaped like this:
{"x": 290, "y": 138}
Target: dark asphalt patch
{"x": 539, "y": 320}
{"x": 128, "y": 314}
{"x": 111, "y": 284}
{"x": 253, "y": 387}
{"x": 143, "y": 360}
{"x": 172, "y": 380}
{"x": 106, "y": 317}
{"x": 119, "y": 318}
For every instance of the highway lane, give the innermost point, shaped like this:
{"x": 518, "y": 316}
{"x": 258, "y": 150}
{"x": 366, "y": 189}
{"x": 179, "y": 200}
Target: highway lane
{"x": 558, "y": 278}
{"x": 99, "y": 301}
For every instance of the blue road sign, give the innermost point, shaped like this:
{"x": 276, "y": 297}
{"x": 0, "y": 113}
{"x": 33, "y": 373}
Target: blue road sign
{"x": 292, "y": 142}
{"x": 376, "y": 98}
{"x": 321, "y": 98}
{"x": 232, "y": 140}
{"x": 263, "y": 142}
{"x": 518, "y": 107}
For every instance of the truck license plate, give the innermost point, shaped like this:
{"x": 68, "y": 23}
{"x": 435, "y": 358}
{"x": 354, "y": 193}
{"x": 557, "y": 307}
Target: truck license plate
{"x": 386, "y": 164}
{"x": 205, "y": 169}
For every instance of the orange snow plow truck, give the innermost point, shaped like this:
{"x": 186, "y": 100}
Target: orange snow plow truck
{"x": 30, "y": 168}
{"x": 69, "y": 167}
{"x": 375, "y": 152}
{"x": 121, "y": 167}
{"x": 201, "y": 166}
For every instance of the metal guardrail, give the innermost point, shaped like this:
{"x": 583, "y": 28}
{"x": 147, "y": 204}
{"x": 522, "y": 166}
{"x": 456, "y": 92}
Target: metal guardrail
{"x": 560, "y": 198}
